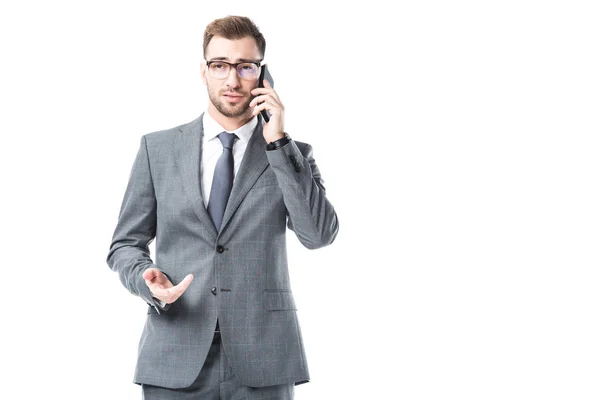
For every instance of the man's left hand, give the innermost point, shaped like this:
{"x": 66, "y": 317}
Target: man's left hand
{"x": 272, "y": 130}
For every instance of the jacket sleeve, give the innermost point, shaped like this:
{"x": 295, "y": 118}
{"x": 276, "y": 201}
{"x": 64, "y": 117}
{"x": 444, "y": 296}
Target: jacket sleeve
{"x": 310, "y": 214}
{"x": 129, "y": 254}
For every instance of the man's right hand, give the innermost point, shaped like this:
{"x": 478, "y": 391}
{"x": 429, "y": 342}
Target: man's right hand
{"x": 162, "y": 288}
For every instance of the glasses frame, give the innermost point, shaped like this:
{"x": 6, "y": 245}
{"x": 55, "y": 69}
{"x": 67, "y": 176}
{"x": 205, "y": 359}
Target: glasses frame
{"x": 234, "y": 65}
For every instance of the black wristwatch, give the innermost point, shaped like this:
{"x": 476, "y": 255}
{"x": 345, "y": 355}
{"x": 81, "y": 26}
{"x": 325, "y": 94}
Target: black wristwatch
{"x": 279, "y": 142}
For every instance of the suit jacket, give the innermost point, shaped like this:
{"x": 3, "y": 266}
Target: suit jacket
{"x": 240, "y": 272}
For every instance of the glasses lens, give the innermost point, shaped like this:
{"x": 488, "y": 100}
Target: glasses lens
{"x": 218, "y": 69}
{"x": 247, "y": 71}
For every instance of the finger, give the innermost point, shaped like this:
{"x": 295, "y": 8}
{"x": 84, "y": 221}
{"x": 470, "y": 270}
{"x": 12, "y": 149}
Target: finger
{"x": 155, "y": 276}
{"x": 150, "y": 273}
{"x": 272, "y": 108}
{"x": 258, "y": 91}
{"x": 259, "y": 99}
{"x": 268, "y": 104}
{"x": 152, "y": 276}
{"x": 170, "y": 295}
{"x": 258, "y": 109}
{"x": 182, "y": 286}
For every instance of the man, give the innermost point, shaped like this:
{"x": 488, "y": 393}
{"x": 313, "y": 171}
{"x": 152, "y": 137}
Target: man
{"x": 218, "y": 194}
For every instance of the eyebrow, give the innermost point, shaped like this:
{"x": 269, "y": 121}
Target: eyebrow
{"x": 238, "y": 60}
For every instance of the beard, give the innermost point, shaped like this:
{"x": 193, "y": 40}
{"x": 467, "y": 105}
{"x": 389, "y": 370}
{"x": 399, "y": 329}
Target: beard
{"x": 228, "y": 109}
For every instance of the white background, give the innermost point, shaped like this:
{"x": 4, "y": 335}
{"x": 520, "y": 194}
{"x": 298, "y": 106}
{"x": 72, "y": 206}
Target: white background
{"x": 458, "y": 142}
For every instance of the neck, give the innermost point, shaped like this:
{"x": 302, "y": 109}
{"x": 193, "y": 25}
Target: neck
{"x": 228, "y": 123}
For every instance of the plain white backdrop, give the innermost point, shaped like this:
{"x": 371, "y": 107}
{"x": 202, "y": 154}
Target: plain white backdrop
{"x": 458, "y": 142}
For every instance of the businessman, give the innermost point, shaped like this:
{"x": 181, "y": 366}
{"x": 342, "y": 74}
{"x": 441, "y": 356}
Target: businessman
{"x": 218, "y": 193}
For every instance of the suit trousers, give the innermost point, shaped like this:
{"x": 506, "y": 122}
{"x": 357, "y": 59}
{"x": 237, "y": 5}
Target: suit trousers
{"x": 217, "y": 381}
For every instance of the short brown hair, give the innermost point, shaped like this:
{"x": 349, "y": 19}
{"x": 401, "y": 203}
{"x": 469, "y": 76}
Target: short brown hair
{"x": 234, "y": 27}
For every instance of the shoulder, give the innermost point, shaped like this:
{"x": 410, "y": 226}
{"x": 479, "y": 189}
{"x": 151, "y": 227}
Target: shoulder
{"x": 167, "y": 135}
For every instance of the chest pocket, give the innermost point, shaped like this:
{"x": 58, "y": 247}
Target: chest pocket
{"x": 267, "y": 178}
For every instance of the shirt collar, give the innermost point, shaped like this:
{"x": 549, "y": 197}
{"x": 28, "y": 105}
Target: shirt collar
{"x": 212, "y": 128}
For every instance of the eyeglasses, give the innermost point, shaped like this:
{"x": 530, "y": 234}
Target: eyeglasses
{"x": 246, "y": 70}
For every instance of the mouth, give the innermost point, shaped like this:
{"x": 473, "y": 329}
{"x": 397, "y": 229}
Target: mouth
{"x": 234, "y": 98}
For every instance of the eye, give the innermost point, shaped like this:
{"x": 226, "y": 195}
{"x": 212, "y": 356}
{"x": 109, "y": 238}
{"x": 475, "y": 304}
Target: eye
{"x": 218, "y": 65}
{"x": 247, "y": 67}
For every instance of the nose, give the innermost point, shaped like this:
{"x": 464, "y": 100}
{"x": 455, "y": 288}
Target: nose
{"x": 233, "y": 80}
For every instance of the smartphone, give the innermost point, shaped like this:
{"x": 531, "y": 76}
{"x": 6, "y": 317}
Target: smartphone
{"x": 265, "y": 74}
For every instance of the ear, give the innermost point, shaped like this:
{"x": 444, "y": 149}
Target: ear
{"x": 203, "y": 71}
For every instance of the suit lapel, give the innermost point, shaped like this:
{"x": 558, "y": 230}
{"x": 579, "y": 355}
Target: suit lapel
{"x": 253, "y": 164}
{"x": 188, "y": 150}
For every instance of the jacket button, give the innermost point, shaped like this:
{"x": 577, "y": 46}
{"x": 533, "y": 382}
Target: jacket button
{"x": 220, "y": 249}
{"x": 214, "y": 291}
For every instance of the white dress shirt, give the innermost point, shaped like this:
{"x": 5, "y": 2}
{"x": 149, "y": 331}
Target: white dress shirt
{"x": 212, "y": 150}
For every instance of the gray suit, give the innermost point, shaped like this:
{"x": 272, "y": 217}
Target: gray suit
{"x": 240, "y": 273}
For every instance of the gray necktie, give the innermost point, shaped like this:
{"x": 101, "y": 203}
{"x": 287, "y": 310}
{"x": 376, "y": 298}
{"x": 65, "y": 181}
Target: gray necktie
{"x": 222, "y": 180}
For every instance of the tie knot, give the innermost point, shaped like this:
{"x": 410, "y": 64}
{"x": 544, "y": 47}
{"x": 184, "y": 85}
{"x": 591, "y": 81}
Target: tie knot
{"x": 227, "y": 139}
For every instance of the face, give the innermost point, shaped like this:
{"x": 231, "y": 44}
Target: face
{"x": 231, "y": 96}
